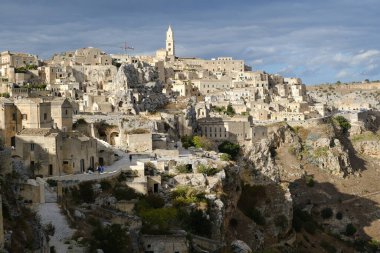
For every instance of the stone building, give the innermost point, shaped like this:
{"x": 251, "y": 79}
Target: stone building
{"x": 62, "y": 114}
{"x": 51, "y": 152}
{"x": 236, "y": 129}
{"x": 10, "y": 122}
{"x": 82, "y": 56}
{"x": 36, "y": 112}
{"x": 11, "y": 60}
{"x": 164, "y": 244}
{"x": 206, "y": 86}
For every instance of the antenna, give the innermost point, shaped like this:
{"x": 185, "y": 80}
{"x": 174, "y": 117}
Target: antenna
{"x": 126, "y": 47}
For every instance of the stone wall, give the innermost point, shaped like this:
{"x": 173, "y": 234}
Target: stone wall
{"x": 33, "y": 190}
{"x": 139, "y": 142}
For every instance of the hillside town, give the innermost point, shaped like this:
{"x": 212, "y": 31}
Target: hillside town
{"x": 162, "y": 153}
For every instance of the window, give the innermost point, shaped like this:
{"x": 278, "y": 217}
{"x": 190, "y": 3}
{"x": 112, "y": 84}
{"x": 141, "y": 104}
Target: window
{"x": 14, "y": 116}
{"x": 24, "y": 116}
{"x": 66, "y": 112}
{"x": 32, "y": 146}
{"x": 45, "y": 116}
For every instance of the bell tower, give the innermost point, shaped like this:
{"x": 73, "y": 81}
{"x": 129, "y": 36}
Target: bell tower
{"x": 170, "y": 49}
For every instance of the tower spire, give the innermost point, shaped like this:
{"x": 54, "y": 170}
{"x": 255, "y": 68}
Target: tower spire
{"x": 170, "y": 47}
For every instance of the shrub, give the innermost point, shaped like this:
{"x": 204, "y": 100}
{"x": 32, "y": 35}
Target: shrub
{"x": 229, "y": 148}
{"x": 185, "y": 195}
{"x": 158, "y": 220}
{"x": 203, "y": 142}
{"x": 225, "y": 157}
{"x": 155, "y": 201}
{"x": 51, "y": 182}
{"x": 125, "y": 193}
{"x": 374, "y": 245}
{"x": 105, "y": 185}
{"x": 326, "y": 213}
{"x": 149, "y": 169}
{"x": 309, "y": 180}
{"x": 230, "y": 111}
{"x": 85, "y": 193}
{"x": 209, "y": 171}
{"x": 198, "y": 223}
{"x": 113, "y": 238}
{"x": 343, "y": 123}
{"x": 184, "y": 168}
{"x": 187, "y": 141}
{"x": 350, "y": 230}
{"x": 339, "y": 215}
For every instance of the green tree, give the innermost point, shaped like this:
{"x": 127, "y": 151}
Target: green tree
{"x": 229, "y": 148}
{"x": 230, "y": 110}
{"x": 203, "y": 142}
{"x": 187, "y": 141}
{"x": 343, "y": 123}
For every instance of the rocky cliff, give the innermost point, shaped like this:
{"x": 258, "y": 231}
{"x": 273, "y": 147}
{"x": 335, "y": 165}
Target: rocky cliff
{"x": 136, "y": 88}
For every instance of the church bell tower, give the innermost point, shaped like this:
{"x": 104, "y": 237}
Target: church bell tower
{"x": 170, "y": 49}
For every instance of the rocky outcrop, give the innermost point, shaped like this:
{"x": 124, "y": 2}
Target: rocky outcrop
{"x": 329, "y": 155}
{"x": 369, "y": 148}
{"x": 239, "y": 246}
{"x": 260, "y": 158}
{"x": 136, "y": 88}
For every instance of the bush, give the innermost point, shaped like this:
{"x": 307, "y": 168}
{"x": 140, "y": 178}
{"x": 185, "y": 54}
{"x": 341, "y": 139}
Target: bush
{"x": 149, "y": 169}
{"x": 185, "y": 195}
{"x": 158, "y": 220}
{"x": 113, "y": 238}
{"x": 184, "y": 168}
{"x": 85, "y": 193}
{"x": 350, "y": 230}
{"x": 229, "y": 148}
{"x": 125, "y": 193}
{"x": 203, "y": 142}
{"x": 230, "y": 111}
{"x": 343, "y": 123}
{"x": 197, "y": 223}
{"x": 339, "y": 215}
{"x": 209, "y": 171}
{"x": 155, "y": 201}
{"x": 187, "y": 141}
{"x": 225, "y": 157}
{"x": 51, "y": 182}
{"x": 309, "y": 180}
{"x": 326, "y": 213}
{"x": 105, "y": 185}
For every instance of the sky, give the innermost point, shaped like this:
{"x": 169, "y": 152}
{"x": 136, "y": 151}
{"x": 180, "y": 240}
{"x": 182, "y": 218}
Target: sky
{"x": 318, "y": 41}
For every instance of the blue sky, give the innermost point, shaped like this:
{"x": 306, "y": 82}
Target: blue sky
{"x": 319, "y": 41}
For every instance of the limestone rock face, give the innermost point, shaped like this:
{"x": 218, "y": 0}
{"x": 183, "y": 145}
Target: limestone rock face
{"x": 239, "y": 246}
{"x": 260, "y": 157}
{"x": 196, "y": 179}
{"x": 329, "y": 155}
{"x": 136, "y": 88}
{"x": 370, "y": 148}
